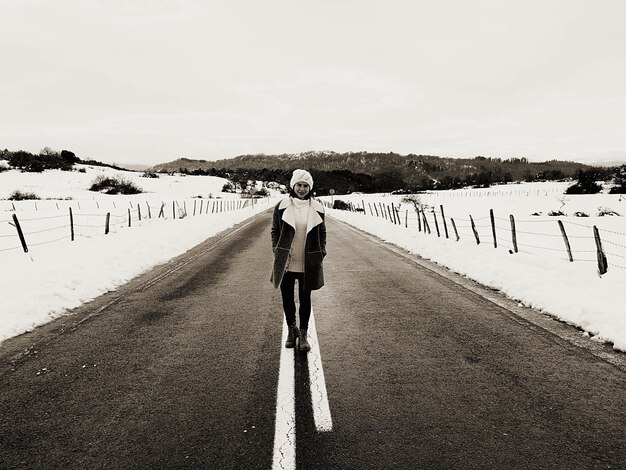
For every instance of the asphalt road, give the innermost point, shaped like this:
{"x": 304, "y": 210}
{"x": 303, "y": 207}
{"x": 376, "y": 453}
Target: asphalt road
{"x": 179, "y": 369}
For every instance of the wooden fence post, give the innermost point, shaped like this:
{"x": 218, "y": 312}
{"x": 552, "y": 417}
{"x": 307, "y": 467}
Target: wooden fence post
{"x": 173, "y": 209}
{"x": 436, "y": 224}
{"x": 20, "y": 234}
{"x": 513, "y": 232}
{"x": 397, "y": 209}
{"x": 445, "y": 226}
{"x": 456, "y": 233}
{"x": 406, "y": 218}
{"x": 493, "y": 228}
{"x": 364, "y": 210}
{"x": 162, "y": 211}
{"x": 474, "y": 230}
{"x": 426, "y": 226}
{"x": 419, "y": 220}
{"x": 139, "y": 211}
{"x": 376, "y": 210}
{"x": 602, "y": 263}
{"x": 107, "y": 223}
{"x": 566, "y": 240}
{"x": 201, "y": 203}
{"x": 71, "y": 224}
{"x": 129, "y": 217}
{"x": 149, "y": 213}
{"x": 194, "y": 207}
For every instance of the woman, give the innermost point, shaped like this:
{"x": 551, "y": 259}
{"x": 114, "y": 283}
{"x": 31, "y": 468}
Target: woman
{"x": 299, "y": 245}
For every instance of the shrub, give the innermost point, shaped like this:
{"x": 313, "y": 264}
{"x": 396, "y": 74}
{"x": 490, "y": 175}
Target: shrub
{"x": 20, "y": 196}
{"x": 602, "y": 211}
{"x": 580, "y": 214}
{"x": 114, "y": 185}
{"x": 341, "y": 205}
{"x": 586, "y": 183}
{"x": 150, "y": 174}
{"x": 556, "y": 213}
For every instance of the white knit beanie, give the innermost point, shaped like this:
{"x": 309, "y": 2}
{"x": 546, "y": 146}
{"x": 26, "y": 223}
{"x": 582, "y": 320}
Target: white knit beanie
{"x": 301, "y": 176}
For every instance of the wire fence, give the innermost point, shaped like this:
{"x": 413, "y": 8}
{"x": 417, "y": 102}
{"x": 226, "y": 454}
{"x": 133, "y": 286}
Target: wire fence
{"x": 544, "y": 236}
{"x": 25, "y": 229}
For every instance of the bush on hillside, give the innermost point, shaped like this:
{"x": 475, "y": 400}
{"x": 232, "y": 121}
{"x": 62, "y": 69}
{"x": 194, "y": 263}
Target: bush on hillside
{"x": 341, "y": 205}
{"x": 586, "y": 183}
{"x": 602, "y": 211}
{"x": 150, "y": 174}
{"x": 47, "y": 159}
{"x": 114, "y": 185}
{"x": 20, "y": 196}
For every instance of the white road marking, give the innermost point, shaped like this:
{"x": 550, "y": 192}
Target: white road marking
{"x": 319, "y": 396}
{"x": 285, "y": 430}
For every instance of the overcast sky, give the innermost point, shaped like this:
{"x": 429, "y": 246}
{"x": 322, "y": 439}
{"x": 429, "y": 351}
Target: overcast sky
{"x": 149, "y": 81}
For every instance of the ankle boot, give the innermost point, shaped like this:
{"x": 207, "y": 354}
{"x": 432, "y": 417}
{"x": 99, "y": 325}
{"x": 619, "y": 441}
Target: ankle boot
{"x": 304, "y": 342}
{"x": 292, "y": 334}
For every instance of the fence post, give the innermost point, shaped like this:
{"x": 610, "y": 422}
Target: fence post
{"x": 445, "y": 226}
{"x": 107, "y": 223}
{"x": 456, "y": 233}
{"x": 493, "y": 228}
{"x": 71, "y": 224}
{"x": 375, "y": 210}
{"x": 194, "y": 207}
{"x": 173, "y": 209}
{"x": 149, "y": 213}
{"x": 364, "y": 210}
{"x": 419, "y": 220}
{"x": 513, "y": 232}
{"x": 602, "y": 263}
{"x": 474, "y": 230}
{"x": 201, "y": 204}
{"x": 20, "y": 234}
{"x": 436, "y": 224}
{"x": 426, "y": 226}
{"x": 129, "y": 217}
{"x": 566, "y": 240}
{"x": 406, "y": 218}
{"x": 139, "y": 211}
{"x": 162, "y": 211}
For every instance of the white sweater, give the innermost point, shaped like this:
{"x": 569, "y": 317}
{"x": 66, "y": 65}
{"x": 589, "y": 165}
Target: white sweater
{"x": 301, "y": 213}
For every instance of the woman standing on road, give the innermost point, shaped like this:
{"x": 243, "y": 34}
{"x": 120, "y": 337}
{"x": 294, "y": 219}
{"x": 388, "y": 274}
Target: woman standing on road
{"x": 299, "y": 245}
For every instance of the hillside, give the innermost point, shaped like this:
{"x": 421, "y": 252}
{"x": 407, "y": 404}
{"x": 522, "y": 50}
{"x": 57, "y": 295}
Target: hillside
{"x": 369, "y": 172}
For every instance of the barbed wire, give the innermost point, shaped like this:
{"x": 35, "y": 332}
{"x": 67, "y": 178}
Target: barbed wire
{"x": 46, "y": 230}
{"x": 44, "y": 218}
{"x": 10, "y": 249}
{"x": 49, "y": 241}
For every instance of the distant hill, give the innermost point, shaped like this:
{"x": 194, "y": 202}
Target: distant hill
{"x": 373, "y": 172}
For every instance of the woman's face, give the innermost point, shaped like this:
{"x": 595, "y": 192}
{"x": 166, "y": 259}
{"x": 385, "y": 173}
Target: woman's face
{"x": 301, "y": 189}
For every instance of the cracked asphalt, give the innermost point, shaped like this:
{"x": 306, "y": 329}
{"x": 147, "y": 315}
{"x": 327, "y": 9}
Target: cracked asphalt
{"x": 421, "y": 373}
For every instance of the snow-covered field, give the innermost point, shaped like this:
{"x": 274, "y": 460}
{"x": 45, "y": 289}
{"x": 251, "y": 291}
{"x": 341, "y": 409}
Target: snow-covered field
{"x": 540, "y": 274}
{"x": 58, "y": 274}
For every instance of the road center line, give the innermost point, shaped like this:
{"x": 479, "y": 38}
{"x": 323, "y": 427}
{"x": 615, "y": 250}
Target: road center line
{"x": 285, "y": 429}
{"x": 319, "y": 396}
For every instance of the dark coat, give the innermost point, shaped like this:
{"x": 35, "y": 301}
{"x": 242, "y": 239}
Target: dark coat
{"x": 283, "y": 232}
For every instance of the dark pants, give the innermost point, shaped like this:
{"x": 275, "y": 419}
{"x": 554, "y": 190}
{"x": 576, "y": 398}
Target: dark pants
{"x": 289, "y": 303}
